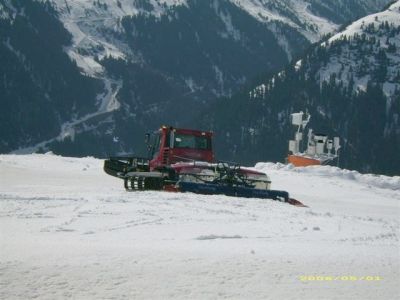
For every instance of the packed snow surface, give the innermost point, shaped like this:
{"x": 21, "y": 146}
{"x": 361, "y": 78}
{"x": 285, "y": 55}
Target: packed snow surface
{"x": 68, "y": 230}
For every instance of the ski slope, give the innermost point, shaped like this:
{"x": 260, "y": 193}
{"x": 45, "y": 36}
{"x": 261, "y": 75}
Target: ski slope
{"x": 67, "y": 230}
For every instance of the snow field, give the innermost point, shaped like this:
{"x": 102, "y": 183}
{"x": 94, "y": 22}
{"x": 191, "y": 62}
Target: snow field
{"x": 67, "y": 230}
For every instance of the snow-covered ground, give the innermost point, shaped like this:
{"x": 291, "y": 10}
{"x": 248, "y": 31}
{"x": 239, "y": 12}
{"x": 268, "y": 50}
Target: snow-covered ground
{"x": 67, "y": 230}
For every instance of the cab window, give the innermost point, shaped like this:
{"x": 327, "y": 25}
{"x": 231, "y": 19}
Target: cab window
{"x": 155, "y": 143}
{"x": 192, "y": 142}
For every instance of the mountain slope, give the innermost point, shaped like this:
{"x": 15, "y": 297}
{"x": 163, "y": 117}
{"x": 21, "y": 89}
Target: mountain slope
{"x": 41, "y": 88}
{"x": 351, "y": 86}
{"x": 150, "y": 62}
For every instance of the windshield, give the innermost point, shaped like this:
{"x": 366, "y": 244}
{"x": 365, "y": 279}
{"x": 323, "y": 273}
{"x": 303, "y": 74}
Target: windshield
{"x": 192, "y": 142}
{"x": 153, "y": 144}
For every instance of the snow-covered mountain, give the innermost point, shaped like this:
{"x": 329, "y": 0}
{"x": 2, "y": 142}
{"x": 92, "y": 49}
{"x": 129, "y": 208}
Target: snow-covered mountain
{"x": 68, "y": 230}
{"x": 380, "y": 60}
{"x": 95, "y": 24}
{"x": 350, "y": 84}
{"x": 366, "y": 51}
{"x": 137, "y": 64}
{"x": 41, "y": 88}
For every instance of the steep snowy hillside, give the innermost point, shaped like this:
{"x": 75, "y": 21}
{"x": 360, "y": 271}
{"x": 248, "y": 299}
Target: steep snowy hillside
{"x": 365, "y": 52}
{"x": 40, "y": 87}
{"x": 94, "y": 24}
{"x": 351, "y": 86}
{"x": 381, "y": 62}
{"x": 68, "y": 230}
{"x": 367, "y": 47}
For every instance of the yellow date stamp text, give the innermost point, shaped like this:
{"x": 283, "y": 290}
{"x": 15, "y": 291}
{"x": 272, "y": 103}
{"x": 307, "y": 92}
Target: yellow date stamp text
{"x": 339, "y": 278}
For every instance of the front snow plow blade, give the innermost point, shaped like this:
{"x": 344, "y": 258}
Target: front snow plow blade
{"x": 119, "y": 166}
{"x": 115, "y": 167}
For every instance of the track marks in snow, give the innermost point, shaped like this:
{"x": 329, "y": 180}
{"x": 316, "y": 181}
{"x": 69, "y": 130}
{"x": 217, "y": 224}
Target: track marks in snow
{"x": 234, "y": 218}
{"x": 215, "y": 237}
{"x": 74, "y": 234}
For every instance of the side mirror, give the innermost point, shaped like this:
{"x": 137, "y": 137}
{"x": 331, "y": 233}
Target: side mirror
{"x": 147, "y": 138}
